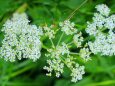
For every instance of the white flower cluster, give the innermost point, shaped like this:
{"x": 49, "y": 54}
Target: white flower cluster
{"x": 85, "y": 54}
{"x": 57, "y": 62}
{"x": 78, "y": 39}
{"x": 76, "y": 70}
{"x": 49, "y": 32}
{"x": 102, "y": 28}
{"x": 21, "y": 40}
{"x": 103, "y": 9}
{"x": 104, "y": 44}
{"x": 77, "y": 73}
{"x": 68, "y": 27}
{"x": 56, "y": 65}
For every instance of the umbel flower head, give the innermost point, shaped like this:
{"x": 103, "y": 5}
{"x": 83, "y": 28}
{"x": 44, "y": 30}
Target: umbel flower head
{"x": 49, "y": 32}
{"x": 60, "y": 56}
{"x": 21, "y": 40}
{"x": 68, "y": 27}
{"x": 103, "y": 29}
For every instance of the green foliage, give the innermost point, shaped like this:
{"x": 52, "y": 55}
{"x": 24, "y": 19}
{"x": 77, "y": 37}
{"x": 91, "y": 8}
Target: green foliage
{"x": 100, "y": 71}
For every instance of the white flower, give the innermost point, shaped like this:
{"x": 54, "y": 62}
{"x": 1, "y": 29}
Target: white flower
{"x": 99, "y": 20}
{"x": 85, "y": 54}
{"x": 68, "y": 27}
{"x": 102, "y": 28}
{"x": 110, "y": 22}
{"x": 76, "y": 70}
{"x": 49, "y": 32}
{"x": 57, "y": 62}
{"x": 21, "y": 39}
{"x": 56, "y": 65}
{"x": 64, "y": 49}
{"x": 78, "y": 39}
{"x": 97, "y": 24}
{"x": 103, "y": 9}
{"x": 103, "y": 44}
{"x": 70, "y": 61}
{"x": 77, "y": 73}
{"x": 91, "y": 29}
{"x": 59, "y": 50}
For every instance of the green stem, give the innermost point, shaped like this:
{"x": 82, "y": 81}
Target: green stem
{"x": 65, "y": 63}
{"x": 70, "y": 43}
{"x": 73, "y": 13}
{"x": 22, "y": 8}
{"x": 74, "y": 53}
{"x": 44, "y": 47}
{"x": 60, "y": 38}
{"x": 81, "y": 26}
{"x": 52, "y": 43}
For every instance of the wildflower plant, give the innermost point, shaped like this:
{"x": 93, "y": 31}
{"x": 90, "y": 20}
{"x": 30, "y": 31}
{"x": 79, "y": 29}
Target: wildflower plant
{"x": 23, "y": 40}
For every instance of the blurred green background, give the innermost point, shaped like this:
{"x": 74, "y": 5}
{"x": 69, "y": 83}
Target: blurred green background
{"x": 100, "y": 71}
